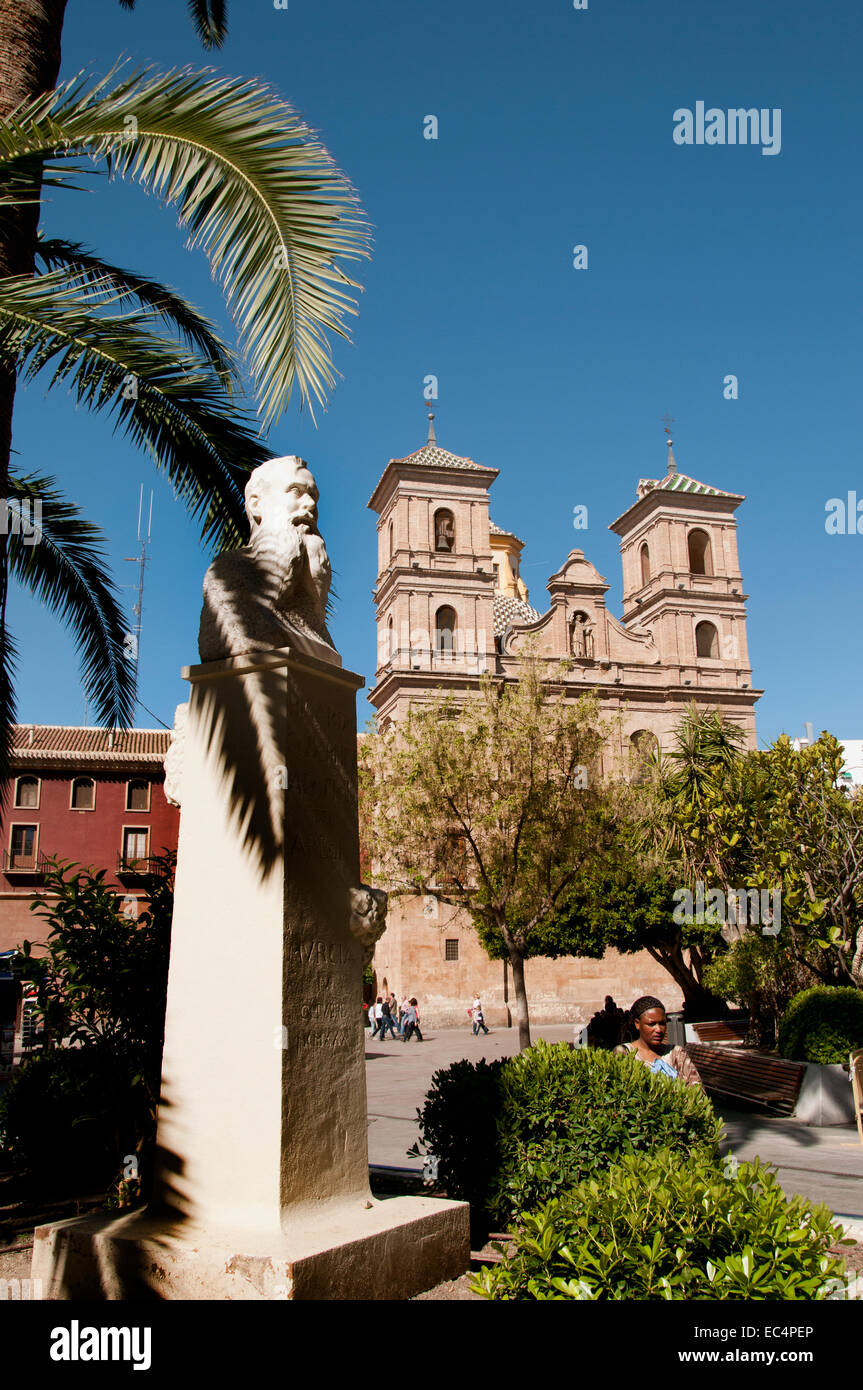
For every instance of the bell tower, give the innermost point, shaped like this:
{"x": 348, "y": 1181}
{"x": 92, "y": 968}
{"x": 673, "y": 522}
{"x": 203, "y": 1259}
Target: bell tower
{"x": 682, "y": 581}
{"x": 436, "y": 579}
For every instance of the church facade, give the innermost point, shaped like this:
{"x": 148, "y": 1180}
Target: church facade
{"x": 451, "y": 604}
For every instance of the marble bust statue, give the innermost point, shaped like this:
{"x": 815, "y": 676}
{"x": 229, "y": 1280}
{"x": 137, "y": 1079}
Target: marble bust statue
{"x": 273, "y": 592}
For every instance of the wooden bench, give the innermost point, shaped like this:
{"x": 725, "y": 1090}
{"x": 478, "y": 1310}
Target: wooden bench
{"x": 747, "y": 1075}
{"x": 725, "y": 1030}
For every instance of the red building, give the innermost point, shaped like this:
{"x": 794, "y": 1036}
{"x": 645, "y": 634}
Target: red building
{"x": 92, "y": 796}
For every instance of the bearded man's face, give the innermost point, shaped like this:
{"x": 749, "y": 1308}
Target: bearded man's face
{"x": 284, "y": 497}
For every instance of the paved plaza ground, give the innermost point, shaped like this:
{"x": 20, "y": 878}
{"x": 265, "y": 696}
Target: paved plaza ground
{"x": 825, "y": 1165}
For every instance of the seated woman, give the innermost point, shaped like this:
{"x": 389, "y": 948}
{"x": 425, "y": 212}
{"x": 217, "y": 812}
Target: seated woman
{"x": 650, "y": 1023}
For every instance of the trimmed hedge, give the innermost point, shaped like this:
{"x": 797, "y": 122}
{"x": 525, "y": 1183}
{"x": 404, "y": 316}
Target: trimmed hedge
{"x": 659, "y": 1227}
{"x": 511, "y": 1134}
{"x": 823, "y": 1025}
{"x": 70, "y": 1116}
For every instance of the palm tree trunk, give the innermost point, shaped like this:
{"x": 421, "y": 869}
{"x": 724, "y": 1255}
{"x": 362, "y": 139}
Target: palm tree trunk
{"x": 30, "y": 36}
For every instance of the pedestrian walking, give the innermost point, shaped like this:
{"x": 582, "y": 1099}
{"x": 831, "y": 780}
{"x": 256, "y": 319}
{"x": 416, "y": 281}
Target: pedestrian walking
{"x": 386, "y": 1019}
{"x": 478, "y": 1017}
{"x": 412, "y": 1022}
{"x": 378, "y": 1014}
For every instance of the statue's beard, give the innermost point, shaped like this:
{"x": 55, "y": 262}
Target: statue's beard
{"x": 290, "y": 555}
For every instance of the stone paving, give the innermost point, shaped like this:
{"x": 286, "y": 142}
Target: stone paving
{"x": 825, "y": 1165}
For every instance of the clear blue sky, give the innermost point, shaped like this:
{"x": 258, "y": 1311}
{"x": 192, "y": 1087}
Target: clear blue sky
{"x": 555, "y": 128}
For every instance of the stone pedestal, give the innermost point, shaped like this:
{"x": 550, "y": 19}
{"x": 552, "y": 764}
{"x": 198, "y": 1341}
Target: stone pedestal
{"x": 262, "y": 1169}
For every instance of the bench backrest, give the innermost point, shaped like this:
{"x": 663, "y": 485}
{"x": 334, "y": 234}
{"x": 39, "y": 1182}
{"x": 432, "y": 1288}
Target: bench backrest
{"x": 722, "y": 1030}
{"x": 749, "y": 1075}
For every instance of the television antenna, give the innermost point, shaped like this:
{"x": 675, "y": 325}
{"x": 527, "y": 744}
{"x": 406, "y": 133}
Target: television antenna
{"x": 133, "y": 638}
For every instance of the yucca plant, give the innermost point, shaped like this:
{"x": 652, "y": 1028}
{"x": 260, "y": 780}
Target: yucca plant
{"x": 267, "y": 204}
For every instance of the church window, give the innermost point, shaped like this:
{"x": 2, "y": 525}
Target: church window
{"x": 700, "y": 560}
{"x": 390, "y": 555}
{"x": 391, "y": 638}
{"x": 706, "y": 640}
{"x": 645, "y": 565}
{"x": 444, "y": 530}
{"x": 444, "y": 637}
{"x": 451, "y": 952}
{"x": 645, "y": 747}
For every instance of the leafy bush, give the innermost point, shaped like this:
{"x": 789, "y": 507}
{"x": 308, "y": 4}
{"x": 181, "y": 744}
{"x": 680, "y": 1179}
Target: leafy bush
{"x": 511, "y": 1134}
{"x": 69, "y": 1117}
{"x": 656, "y": 1227}
{"x": 568, "y": 1114}
{"x": 759, "y": 973}
{"x": 823, "y": 1025}
{"x": 101, "y": 994}
{"x": 458, "y": 1124}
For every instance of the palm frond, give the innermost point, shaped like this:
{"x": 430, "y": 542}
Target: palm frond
{"x": 208, "y": 17}
{"x": 159, "y": 395}
{"x": 85, "y": 268}
{"x": 59, "y": 557}
{"x": 259, "y": 194}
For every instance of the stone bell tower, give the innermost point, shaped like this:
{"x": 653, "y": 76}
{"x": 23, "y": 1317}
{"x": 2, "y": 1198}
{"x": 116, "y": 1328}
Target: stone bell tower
{"x": 436, "y": 577}
{"x": 682, "y": 584}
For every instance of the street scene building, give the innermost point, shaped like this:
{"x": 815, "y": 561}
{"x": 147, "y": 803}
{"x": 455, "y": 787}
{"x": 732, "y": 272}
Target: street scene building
{"x": 451, "y": 604}
{"x": 94, "y": 797}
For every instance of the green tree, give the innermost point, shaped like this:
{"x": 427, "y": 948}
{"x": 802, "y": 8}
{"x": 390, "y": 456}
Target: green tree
{"x": 677, "y": 823}
{"x": 494, "y": 804}
{"x": 627, "y": 903}
{"x": 806, "y": 833}
{"x": 101, "y": 995}
{"x": 273, "y": 214}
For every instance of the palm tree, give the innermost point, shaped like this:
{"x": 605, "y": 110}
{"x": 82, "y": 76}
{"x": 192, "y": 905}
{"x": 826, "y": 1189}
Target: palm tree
{"x": 273, "y": 214}
{"x": 30, "y": 49}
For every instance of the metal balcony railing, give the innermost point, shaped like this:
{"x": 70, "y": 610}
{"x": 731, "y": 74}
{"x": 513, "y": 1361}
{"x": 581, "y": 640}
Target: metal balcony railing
{"x": 11, "y": 863}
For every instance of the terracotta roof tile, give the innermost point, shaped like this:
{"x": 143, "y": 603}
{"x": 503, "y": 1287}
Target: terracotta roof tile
{"x": 53, "y": 742}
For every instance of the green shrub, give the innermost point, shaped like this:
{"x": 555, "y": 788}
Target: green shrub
{"x": 458, "y": 1124}
{"x": 511, "y": 1134}
{"x": 567, "y": 1114}
{"x": 659, "y": 1227}
{"x": 75, "y": 1113}
{"x": 759, "y": 973}
{"x": 823, "y": 1025}
{"x": 70, "y": 1116}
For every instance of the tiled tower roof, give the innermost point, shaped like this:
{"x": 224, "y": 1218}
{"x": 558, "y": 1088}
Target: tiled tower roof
{"x": 679, "y": 482}
{"x": 499, "y": 531}
{"x": 433, "y": 456}
{"x": 511, "y": 610}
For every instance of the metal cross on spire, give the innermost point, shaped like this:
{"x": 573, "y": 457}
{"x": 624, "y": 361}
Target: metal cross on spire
{"x": 669, "y": 420}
